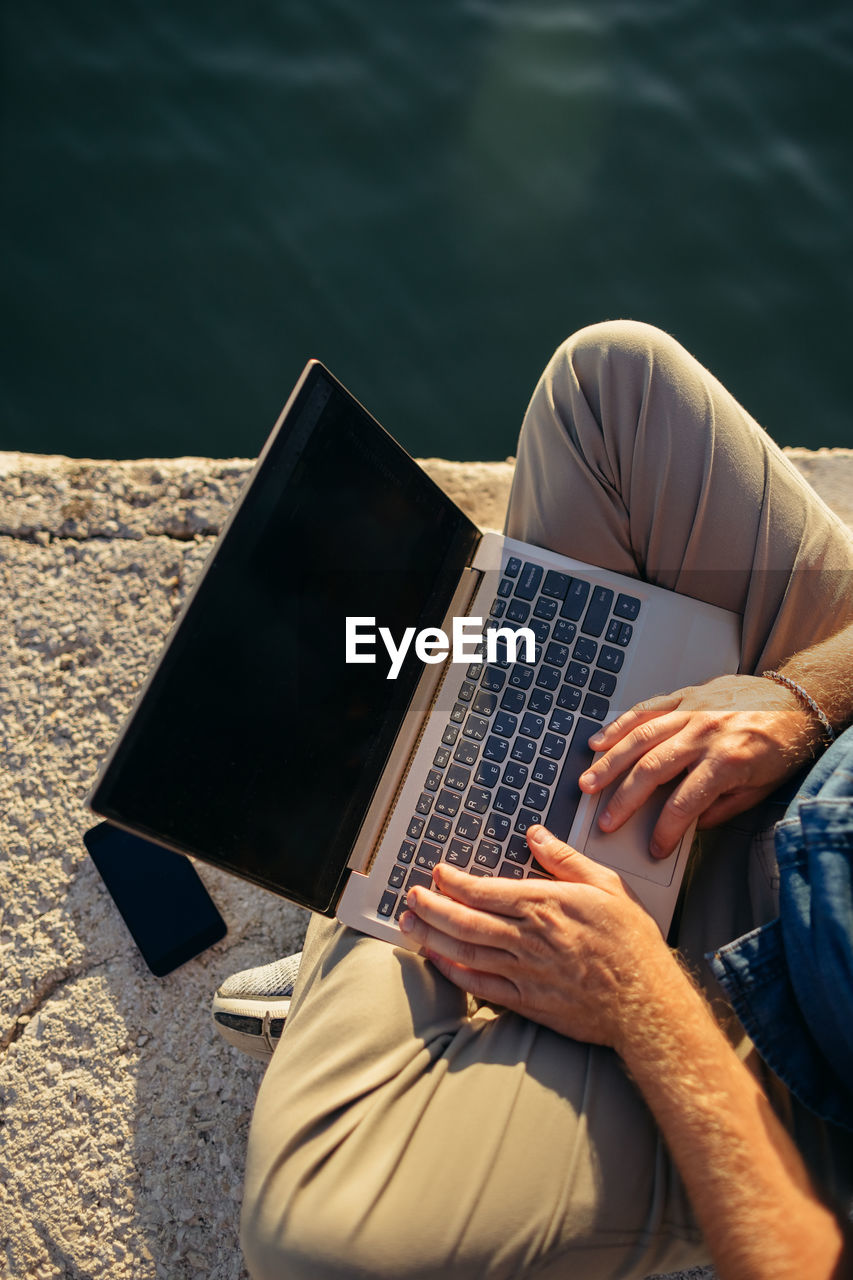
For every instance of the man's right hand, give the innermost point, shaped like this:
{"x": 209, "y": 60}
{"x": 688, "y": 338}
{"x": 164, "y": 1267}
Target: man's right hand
{"x": 735, "y": 740}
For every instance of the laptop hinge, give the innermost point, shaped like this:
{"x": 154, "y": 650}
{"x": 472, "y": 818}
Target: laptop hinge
{"x": 409, "y": 736}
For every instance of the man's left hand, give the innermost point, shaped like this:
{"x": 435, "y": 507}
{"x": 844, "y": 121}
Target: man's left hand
{"x": 575, "y": 954}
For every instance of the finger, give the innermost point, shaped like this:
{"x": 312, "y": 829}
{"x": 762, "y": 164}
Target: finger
{"x": 561, "y": 860}
{"x": 483, "y": 986}
{"x": 659, "y": 765}
{"x": 611, "y": 733}
{"x": 625, "y": 753}
{"x": 482, "y": 893}
{"x": 732, "y": 803}
{"x": 465, "y": 924}
{"x": 687, "y": 803}
{"x": 436, "y": 941}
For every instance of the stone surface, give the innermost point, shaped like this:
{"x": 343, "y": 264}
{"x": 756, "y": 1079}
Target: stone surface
{"x": 124, "y": 1118}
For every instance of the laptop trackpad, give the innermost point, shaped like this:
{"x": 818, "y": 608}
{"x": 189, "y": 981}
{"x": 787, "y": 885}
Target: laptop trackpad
{"x": 628, "y": 848}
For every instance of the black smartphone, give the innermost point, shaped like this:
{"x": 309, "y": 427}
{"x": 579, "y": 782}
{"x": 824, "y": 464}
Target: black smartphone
{"x": 167, "y": 909}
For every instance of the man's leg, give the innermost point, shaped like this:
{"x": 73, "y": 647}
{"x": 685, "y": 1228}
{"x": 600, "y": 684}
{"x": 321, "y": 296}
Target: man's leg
{"x": 398, "y": 1133}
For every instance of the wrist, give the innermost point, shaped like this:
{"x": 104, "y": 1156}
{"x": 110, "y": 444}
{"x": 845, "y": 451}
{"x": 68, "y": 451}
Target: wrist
{"x": 806, "y": 702}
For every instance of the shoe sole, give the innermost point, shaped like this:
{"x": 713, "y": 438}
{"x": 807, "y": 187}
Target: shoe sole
{"x": 253, "y": 1026}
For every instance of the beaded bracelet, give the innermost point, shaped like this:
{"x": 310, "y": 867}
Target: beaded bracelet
{"x": 807, "y": 700}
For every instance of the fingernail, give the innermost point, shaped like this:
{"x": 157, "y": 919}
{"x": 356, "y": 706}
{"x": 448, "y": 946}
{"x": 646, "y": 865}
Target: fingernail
{"x": 587, "y": 779}
{"x": 606, "y": 819}
{"x": 537, "y": 834}
{"x": 407, "y": 922}
{"x": 657, "y": 851}
{"x": 595, "y": 738}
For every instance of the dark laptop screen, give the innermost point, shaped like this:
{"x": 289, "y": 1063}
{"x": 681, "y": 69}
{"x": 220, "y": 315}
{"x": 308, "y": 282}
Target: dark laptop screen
{"x": 255, "y": 745}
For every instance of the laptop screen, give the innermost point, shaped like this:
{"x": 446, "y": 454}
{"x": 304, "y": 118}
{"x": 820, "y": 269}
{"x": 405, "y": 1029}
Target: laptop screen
{"x": 255, "y": 745}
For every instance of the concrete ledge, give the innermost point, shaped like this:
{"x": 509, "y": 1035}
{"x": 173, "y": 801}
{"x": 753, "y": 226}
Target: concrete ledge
{"x": 124, "y": 1120}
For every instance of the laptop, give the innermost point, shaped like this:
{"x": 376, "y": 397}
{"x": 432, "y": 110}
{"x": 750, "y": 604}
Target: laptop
{"x": 338, "y": 706}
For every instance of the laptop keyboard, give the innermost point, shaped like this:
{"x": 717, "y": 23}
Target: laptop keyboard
{"x": 515, "y": 742}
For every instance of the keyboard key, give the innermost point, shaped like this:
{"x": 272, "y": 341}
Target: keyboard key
{"x": 458, "y": 713}
{"x": 627, "y": 607}
{"x": 450, "y": 735}
{"x": 419, "y": 878}
{"x": 518, "y": 850}
{"x": 541, "y": 630}
{"x": 498, "y": 607}
{"x": 553, "y": 746}
{"x": 505, "y": 587}
{"x": 548, "y": 678}
{"x": 407, "y": 849}
{"x": 524, "y": 750}
{"x": 536, "y": 796}
{"x": 467, "y": 691}
{"x": 564, "y": 632}
{"x": 484, "y": 703}
{"x": 610, "y": 659}
{"x": 415, "y": 828}
{"x": 518, "y": 611}
{"x": 526, "y": 818}
{"x": 585, "y": 650}
{"x": 495, "y": 749}
{"x": 475, "y": 671}
{"x": 532, "y": 725}
{"x": 428, "y": 856}
{"x": 458, "y": 777}
{"x": 493, "y": 679}
{"x": 476, "y": 727}
{"x": 595, "y": 706}
{"x": 626, "y": 633}
{"x": 528, "y": 581}
{"x": 510, "y": 871}
{"x": 540, "y": 700}
{"x": 433, "y": 780}
{"x": 515, "y": 775}
{"x": 448, "y": 803}
{"x": 561, "y": 721}
{"x": 459, "y": 852}
{"x": 487, "y": 774}
{"x": 596, "y": 614}
{"x": 577, "y": 673}
{"x": 497, "y": 826}
{"x": 556, "y": 584}
{"x": 469, "y": 826}
{"x": 544, "y": 771}
{"x": 569, "y": 698}
{"x": 478, "y": 800}
{"x": 424, "y": 802}
{"x": 479, "y": 871}
{"x": 504, "y": 724}
{"x": 513, "y": 700}
{"x": 521, "y": 677}
{"x": 513, "y": 565}
{"x": 438, "y": 829}
{"x": 567, "y": 794}
{"x": 397, "y": 876}
{"x": 557, "y": 654}
{"x": 602, "y": 682}
{"x": 466, "y": 752}
{"x": 488, "y": 854}
{"x": 575, "y": 600}
{"x": 506, "y": 800}
{"x": 387, "y": 903}
{"x": 441, "y": 757}
{"x": 545, "y": 609}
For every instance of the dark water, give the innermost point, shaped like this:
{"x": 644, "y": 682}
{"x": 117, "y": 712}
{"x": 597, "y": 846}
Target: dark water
{"x": 427, "y": 194}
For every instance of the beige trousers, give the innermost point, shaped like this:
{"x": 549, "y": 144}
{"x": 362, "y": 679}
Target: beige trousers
{"x": 400, "y": 1131}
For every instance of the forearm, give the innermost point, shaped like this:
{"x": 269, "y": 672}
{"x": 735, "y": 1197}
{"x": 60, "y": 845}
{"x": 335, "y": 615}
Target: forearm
{"x": 824, "y": 671}
{"x": 750, "y": 1189}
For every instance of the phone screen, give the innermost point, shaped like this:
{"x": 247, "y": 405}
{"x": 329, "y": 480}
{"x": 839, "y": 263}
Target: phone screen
{"x": 162, "y": 900}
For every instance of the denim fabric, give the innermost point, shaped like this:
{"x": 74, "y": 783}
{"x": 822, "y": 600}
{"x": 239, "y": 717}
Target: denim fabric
{"x": 791, "y": 981}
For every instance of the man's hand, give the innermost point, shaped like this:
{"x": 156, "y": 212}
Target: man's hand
{"x": 736, "y": 739}
{"x": 576, "y": 954}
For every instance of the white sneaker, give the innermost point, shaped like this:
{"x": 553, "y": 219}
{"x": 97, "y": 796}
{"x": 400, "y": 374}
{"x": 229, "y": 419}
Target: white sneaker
{"x": 250, "y": 1008}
